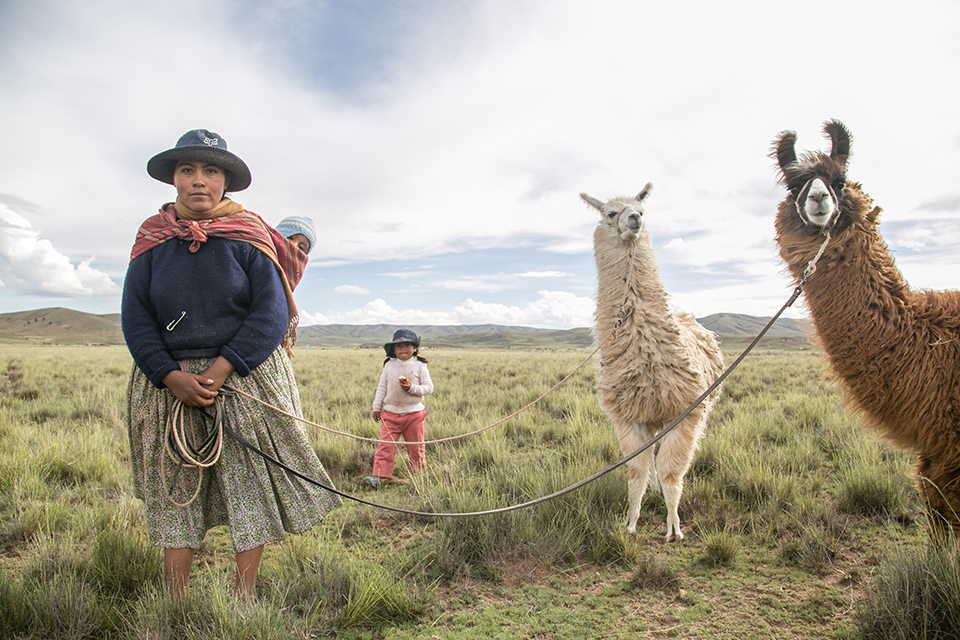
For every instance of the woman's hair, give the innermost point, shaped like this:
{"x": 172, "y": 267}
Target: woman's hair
{"x": 227, "y": 182}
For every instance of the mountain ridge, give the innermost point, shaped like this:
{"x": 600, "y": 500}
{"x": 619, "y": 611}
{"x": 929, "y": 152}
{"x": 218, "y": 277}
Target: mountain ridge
{"x": 59, "y": 325}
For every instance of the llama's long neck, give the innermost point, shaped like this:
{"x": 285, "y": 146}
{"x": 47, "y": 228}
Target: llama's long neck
{"x": 629, "y": 291}
{"x": 863, "y": 312}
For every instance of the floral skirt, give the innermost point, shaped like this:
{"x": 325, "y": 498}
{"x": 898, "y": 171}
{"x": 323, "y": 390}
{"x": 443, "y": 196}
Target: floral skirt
{"x": 256, "y": 499}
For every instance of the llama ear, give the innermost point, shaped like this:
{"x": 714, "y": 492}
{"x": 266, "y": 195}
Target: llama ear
{"x": 784, "y": 150}
{"x": 593, "y": 202}
{"x": 647, "y": 188}
{"x": 840, "y": 139}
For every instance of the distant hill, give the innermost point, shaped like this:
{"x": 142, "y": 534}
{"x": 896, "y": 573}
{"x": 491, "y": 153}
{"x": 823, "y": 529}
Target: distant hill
{"x": 737, "y": 325}
{"x": 59, "y": 326}
{"x": 65, "y": 326}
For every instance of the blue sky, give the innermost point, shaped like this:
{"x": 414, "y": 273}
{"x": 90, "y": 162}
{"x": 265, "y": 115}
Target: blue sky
{"x": 440, "y": 146}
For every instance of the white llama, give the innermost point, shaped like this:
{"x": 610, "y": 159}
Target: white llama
{"x": 653, "y": 363}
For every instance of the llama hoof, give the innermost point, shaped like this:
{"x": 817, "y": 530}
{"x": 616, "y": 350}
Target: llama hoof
{"x": 674, "y": 536}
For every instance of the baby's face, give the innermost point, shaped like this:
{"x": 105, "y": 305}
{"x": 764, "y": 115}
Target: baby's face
{"x": 300, "y": 241}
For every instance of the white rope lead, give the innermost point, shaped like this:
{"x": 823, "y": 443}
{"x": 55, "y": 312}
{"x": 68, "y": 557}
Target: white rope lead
{"x": 179, "y": 446}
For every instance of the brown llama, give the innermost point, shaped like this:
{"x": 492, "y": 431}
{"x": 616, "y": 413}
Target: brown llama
{"x": 895, "y": 351}
{"x": 653, "y": 363}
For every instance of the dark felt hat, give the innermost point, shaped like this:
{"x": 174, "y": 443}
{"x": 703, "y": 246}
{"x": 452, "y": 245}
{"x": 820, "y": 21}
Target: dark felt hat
{"x": 401, "y": 335}
{"x": 205, "y": 146}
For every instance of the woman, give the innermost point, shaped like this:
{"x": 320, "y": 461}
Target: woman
{"x": 207, "y": 302}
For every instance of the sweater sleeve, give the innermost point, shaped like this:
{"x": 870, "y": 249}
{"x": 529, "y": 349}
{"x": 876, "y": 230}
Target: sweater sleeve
{"x": 138, "y": 322}
{"x": 425, "y": 387}
{"x": 381, "y": 391}
{"x": 266, "y": 324}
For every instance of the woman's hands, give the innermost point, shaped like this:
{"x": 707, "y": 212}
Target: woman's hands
{"x": 190, "y": 388}
{"x": 199, "y": 389}
{"x": 219, "y": 371}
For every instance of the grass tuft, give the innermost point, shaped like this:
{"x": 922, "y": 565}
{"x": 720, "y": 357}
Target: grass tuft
{"x": 914, "y": 596}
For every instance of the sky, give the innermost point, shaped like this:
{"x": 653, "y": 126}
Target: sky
{"x": 440, "y": 146}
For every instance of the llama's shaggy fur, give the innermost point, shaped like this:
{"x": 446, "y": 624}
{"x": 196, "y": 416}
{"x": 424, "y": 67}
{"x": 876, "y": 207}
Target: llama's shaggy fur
{"x": 654, "y": 364}
{"x": 895, "y": 351}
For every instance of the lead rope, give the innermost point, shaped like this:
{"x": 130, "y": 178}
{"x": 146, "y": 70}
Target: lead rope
{"x": 808, "y": 272}
{"x": 620, "y": 315}
{"x": 626, "y": 289}
{"x": 423, "y": 442}
{"x": 179, "y": 446}
{"x": 812, "y": 265}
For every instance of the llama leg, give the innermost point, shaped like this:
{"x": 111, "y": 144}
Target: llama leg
{"x": 632, "y": 436}
{"x": 939, "y": 485}
{"x": 673, "y": 462}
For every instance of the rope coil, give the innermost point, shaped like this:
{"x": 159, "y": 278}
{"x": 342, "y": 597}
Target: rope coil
{"x": 179, "y": 445}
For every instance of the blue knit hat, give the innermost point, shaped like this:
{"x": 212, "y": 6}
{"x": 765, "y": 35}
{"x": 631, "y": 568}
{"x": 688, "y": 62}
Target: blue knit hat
{"x": 298, "y": 224}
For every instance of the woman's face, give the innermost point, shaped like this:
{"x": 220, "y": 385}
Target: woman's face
{"x": 200, "y": 185}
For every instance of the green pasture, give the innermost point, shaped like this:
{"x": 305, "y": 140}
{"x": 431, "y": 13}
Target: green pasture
{"x": 798, "y": 524}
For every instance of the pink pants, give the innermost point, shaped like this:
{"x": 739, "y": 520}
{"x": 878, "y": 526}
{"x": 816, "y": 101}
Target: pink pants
{"x": 392, "y": 427}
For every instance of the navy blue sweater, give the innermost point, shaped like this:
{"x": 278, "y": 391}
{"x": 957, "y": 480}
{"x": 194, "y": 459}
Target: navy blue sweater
{"x": 226, "y": 299}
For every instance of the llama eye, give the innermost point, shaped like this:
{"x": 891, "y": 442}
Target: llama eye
{"x": 612, "y": 215}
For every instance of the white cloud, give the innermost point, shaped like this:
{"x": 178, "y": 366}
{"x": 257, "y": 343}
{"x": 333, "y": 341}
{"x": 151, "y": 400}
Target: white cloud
{"x": 307, "y": 319}
{"x": 352, "y": 290}
{"x": 485, "y": 283}
{"x": 31, "y": 266}
{"x": 447, "y": 147}
{"x": 543, "y": 274}
{"x": 677, "y": 244}
{"x": 553, "y": 309}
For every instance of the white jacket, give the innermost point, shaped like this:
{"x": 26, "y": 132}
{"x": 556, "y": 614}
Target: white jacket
{"x": 391, "y": 396}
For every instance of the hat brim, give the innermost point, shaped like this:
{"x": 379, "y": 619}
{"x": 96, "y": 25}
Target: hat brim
{"x": 160, "y": 167}
{"x": 388, "y": 347}
{"x": 415, "y": 343}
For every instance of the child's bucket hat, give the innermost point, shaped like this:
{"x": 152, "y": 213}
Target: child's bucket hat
{"x": 401, "y": 335}
{"x": 205, "y": 146}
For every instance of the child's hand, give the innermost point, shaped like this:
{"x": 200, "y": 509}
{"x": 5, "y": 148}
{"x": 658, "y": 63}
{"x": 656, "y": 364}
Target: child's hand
{"x": 404, "y": 383}
{"x": 376, "y": 416}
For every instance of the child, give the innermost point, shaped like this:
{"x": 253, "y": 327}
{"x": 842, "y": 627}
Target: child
{"x": 298, "y": 236}
{"x": 299, "y": 230}
{"x": 398, "y": 405}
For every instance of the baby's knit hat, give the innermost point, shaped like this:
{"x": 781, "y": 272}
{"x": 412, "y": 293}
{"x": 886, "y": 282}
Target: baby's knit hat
{"x": 299, "y": 224}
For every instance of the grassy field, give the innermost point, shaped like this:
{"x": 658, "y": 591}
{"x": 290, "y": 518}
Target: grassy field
{"x": 798, "y": 524}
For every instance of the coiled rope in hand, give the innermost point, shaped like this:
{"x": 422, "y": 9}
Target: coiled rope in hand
{"x": 180, "y": 447}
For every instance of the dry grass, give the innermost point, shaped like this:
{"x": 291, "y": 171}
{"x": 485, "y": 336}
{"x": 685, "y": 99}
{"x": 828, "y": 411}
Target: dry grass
{"x": 790, "y": 511}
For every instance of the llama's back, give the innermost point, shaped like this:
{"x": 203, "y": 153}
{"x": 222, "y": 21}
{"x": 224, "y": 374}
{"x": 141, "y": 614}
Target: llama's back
{"x": 705, "y": 351}
{"x": 703, "y": 345}
{"x": 658, "y": 377}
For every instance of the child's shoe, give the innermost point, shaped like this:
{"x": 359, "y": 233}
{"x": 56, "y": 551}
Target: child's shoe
{"x": 371, "y": 482}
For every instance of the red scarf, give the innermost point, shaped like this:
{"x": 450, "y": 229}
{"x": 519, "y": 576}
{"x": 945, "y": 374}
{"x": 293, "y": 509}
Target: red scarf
{"x": 245, "y": 226}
